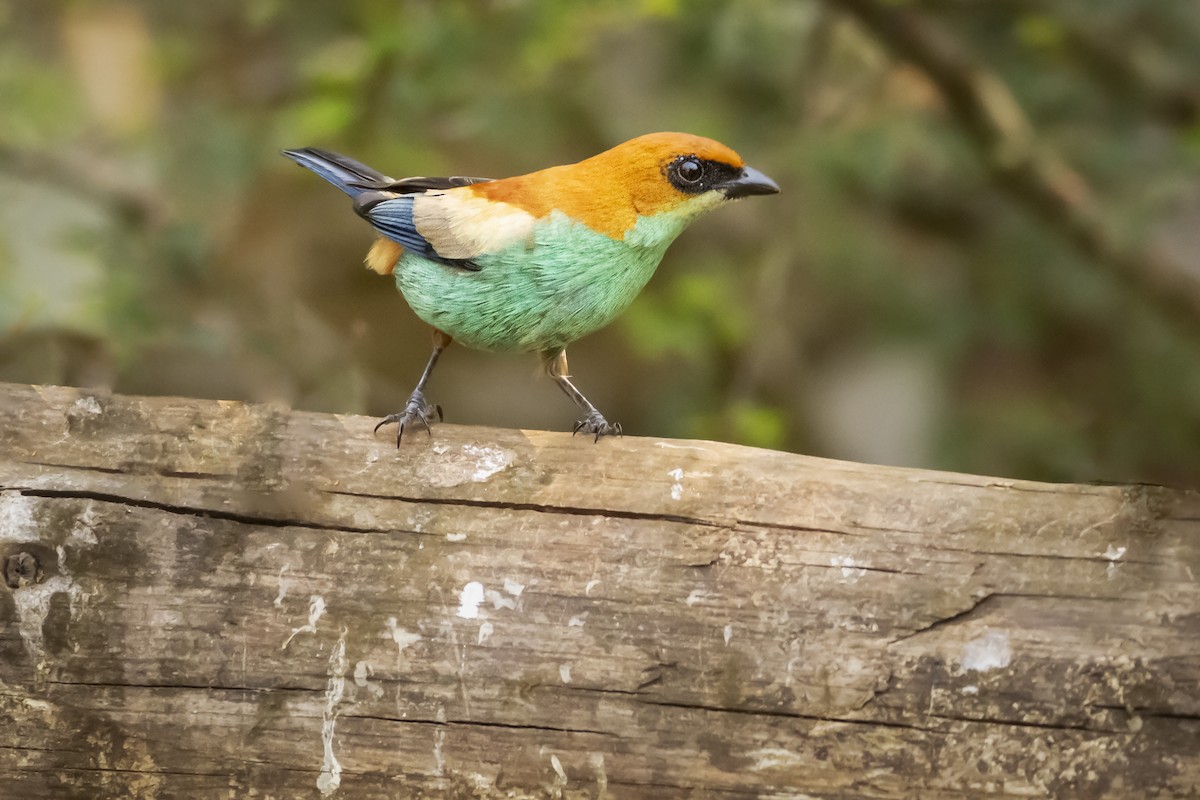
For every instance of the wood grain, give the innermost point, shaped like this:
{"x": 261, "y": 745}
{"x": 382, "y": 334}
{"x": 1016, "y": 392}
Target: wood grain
{"x": 213, "y": 599}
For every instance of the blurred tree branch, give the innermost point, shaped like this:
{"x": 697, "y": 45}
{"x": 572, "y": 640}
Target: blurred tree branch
{"x": 1106, "y": 52}
{"x": 1020, "y": 165}
{"x": 84, "y": 174}
{"x": 1175, "y": 103}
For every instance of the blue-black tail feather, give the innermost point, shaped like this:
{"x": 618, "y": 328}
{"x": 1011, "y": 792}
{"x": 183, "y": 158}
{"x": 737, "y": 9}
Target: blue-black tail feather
{"x": 352, "y": 177}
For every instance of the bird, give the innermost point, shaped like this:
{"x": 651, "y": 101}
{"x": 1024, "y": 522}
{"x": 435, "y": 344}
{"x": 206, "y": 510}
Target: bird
{"x": 534, "y": 262}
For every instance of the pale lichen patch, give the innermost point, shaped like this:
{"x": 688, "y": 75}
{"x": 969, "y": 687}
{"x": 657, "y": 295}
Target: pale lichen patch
{"x": 447, "y": 466}
{"x": 989, "y": 651}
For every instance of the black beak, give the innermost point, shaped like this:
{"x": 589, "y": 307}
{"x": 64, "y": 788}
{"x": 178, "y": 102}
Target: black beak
{"x": 749, "y": 182}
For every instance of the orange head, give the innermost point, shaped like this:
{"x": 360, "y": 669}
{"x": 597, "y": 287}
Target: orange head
{"x": 652, "y": 174}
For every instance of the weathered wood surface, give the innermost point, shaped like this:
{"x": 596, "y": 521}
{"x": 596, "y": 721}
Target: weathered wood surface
{"x": 234, "y": 600}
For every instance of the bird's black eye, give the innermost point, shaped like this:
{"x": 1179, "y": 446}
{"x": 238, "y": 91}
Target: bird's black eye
{"x": 688, "y": 174}
{"x": 690, "y": 170}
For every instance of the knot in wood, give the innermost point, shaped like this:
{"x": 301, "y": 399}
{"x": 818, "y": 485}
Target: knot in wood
{"x": 22, "y": 569}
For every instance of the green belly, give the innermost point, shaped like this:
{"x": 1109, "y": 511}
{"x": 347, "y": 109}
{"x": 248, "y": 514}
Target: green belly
{"x": 539, "y": 295}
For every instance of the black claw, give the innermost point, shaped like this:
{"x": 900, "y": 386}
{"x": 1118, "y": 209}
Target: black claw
{"x": 386, "y": 420}
{"x": 416, "y": 410}
{"x": 595, "y": 423}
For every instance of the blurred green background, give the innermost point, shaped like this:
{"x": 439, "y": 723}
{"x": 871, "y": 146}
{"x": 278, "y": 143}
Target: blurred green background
{"x": 985, "y": 256}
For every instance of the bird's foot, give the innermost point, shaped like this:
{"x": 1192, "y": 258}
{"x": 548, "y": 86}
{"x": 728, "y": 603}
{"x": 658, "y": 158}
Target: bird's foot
{"x": 595, "y": 423}
{"x": 417, "y": 411}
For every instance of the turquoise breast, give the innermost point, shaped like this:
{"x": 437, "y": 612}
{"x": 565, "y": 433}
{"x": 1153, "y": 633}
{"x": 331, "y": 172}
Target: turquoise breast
{"x": 539, "y": 294}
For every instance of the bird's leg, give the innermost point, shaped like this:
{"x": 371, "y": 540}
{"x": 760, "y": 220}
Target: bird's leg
{"x": 418, "y": 409}
{"x": 593, "y": 421}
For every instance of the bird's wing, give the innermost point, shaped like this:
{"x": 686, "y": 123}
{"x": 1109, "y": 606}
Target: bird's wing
{"x": 454, "y": 227}
{"x": 422, "y": 184}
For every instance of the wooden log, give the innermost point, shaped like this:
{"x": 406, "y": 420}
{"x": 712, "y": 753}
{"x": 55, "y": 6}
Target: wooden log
{"x": 214, "y": 599}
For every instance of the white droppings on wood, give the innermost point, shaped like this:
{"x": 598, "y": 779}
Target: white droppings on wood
{"x": 362, "y": 671}
{"x": 469, "y": 600}
{"x": 331, "y": 770}
{"x": 851, "y": 572}
{"x": 728, "y": 634}
{"x": 488, "y": 461}
{"x": 456, "y": 537}
{"x": 775, "y": 758}
{"x": 597, "y": 762}
{"x": 447, "y": 466}
{"x": 577, "y": 622}
{"x": 33, "y": 606}
{"x": 695, "y": 596}
{"x": 86, "y": 407}
{"x": 499, "y": 601}
{"x": 283, "y": 587}
{"x": 1114, "y": 554}
{"x": 32, "y": 602}
{"x": 83, "y": 533}
{"x": 592, "y": 584}
{"x": 485, "y": 632}
{"x": 439, "y": 758}
{"x": 402, "y": 637}
{"x": 564, "y": 673}
{"x": 677, "y": 487}
{"x": 16, "y": 517}
{"x": 513, "y": 588}
{"x": 561, "y": 779}
{"x": 989, "y": 651}
{"x": 316, "y": 609}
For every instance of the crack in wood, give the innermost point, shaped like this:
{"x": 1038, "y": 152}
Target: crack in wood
{"x": 1099, "y": 558}
{"x": 542, "y": 508}
{"x": 1059, "y": 726}
{"x": 1016, "y": 486}
{"x": 201, "y": 687}
{"x": 130, "y": 771}
{"x": 1147, "y": 711}
{"x": 190, "y": 511}
{"x": 752, "y": 712}
{"x": 590, "y": 511}
{"x": 959, "y": 616}
{"x": 473, "y": 723}
{"x": 979, "y": 607}
{"x": 77, "y": 467}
